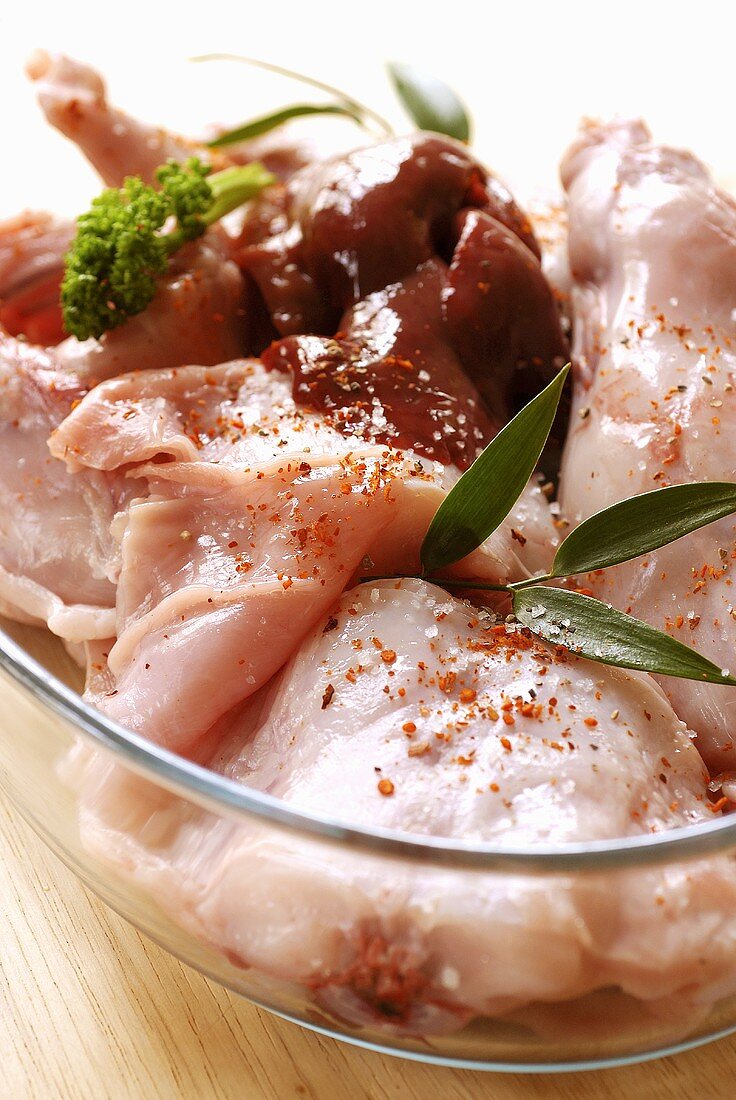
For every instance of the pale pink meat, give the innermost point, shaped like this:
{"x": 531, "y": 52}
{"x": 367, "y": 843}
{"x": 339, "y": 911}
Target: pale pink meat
{"x": 57, "y": 556}
{"x": 406, "y": 685}
{"x": 257, "y": 515}
{"x": 238, "y": 418}
{"x": 32, "y": 248}
{"x": 197, "y": 316}
{"x": 230, "y": 527}
{"x": 653, "y": 258}
{"x": 74, "y": 99}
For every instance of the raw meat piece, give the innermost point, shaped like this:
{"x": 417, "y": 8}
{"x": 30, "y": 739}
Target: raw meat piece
{"x": 257, "y": 516}
{"x": 58, "y": 558}
{"x": 56, "y": 552}
{"x": 407, "y": 709}
{"x": 197, "y": 316}
{"x": 32, "y": 248}
{"x": 392, "y": 373}
{"x": 73, "y": 98}
{"x": 653, "y": 256}
{"x": 407, "y": 287}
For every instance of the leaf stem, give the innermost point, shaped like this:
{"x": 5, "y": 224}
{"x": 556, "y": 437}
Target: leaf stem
{"x": 515, "y": 586}
{"x": 384, "y": 125}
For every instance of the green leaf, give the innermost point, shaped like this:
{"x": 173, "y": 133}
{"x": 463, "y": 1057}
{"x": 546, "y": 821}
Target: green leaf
{"x": 642, "y": 523}
{"x": 488, "y": 490}
{"x": 431, "y": 103}
{"x": 597, "y": 631}
{"x": 272, "y": 121}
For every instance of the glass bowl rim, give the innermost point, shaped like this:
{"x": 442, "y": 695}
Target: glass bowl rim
{"x": 197, "y": 783}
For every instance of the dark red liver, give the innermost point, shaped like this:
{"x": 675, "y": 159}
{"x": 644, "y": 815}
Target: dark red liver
{"x": 391, "y": 373}
{"x": 404, "y": 274}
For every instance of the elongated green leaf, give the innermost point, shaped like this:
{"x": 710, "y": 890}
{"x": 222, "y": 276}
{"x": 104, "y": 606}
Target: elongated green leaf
{"x": 593, "y": 629}
{"x": 353, "y": 107}
{"x": 487, "y": 492}
{"x": 431, "y": 103}
{"x": 265, "y": 123}
{"x": 642, "y": 523}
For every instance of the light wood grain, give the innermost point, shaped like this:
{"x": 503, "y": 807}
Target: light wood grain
{"x": 89, "y": 1009}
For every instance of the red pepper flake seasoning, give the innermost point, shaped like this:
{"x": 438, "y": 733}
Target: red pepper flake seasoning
{"x": 518, "y": 537}
{"x": 506, "y": 743}
{"x": 388, "y": 656}
{"x": 447, "y": 682}
{"x": 467, "y": 695}
{"x": 494, "y": 787}
{"x": 385, "y": 787}
{"x": 510, "y": 721}
{"x": 591, "y": 722}
{"x": 409, "y": 727}
{"x": 327, "y": 697}
{"x": 716, "y": 807}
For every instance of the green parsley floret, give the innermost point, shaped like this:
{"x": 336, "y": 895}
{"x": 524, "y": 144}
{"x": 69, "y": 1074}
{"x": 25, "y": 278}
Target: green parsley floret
{"x": 125, "y": 239}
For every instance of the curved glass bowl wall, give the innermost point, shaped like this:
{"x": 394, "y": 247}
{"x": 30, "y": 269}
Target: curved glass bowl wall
{"x": 290, "y": 883}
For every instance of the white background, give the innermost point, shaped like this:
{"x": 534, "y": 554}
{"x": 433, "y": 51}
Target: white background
{"x": 527, "y": 70}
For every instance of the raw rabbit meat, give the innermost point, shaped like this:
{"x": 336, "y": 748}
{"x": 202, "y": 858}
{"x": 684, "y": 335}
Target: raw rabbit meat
{"x": 58, "y": 558}
{"x": 56, "y": 551}
{"x": 74, "y": 100}
{"x": 653, "y": 257}
{"x": 410, "y": 709}
{"x": 202, "y": 522}
{"x": 32, "y": 248}
{"x": 197, "y": 316}
{"x": 256, "y": 516}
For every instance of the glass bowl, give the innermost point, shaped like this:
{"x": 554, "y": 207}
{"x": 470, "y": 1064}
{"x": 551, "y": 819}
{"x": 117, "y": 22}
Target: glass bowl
{"x": 427, "y": 978}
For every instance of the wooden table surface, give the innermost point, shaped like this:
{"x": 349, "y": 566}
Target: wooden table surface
{"x": 91, "y": 1009}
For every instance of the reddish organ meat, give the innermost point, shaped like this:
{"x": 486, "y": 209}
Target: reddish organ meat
{"x": 358, "y": 223}
{"x": 391, "y": 373}
{"x": 425, "y": 357}
{"x": 501, "y": 314}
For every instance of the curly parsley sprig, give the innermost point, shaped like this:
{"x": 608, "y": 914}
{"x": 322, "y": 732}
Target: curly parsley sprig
{"x": 125, "y": 239}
